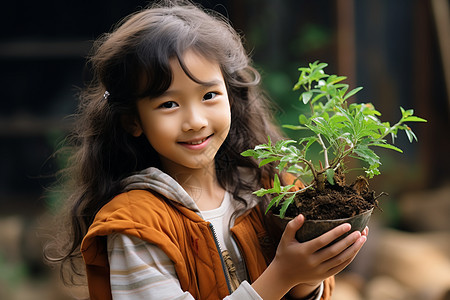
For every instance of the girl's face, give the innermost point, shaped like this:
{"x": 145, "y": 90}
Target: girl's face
{"x": 188, "y": 123}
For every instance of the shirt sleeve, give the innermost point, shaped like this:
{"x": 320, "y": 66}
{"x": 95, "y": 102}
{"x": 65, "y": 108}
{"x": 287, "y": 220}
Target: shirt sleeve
{"x": 320, "y": 293}
{"x": 140, "y": 270}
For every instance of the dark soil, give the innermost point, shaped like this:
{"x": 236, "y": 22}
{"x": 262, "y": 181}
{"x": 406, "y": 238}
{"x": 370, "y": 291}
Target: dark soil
{"x": 335, "y": 202}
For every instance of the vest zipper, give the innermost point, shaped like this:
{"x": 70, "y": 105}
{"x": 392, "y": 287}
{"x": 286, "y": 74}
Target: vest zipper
{"x": 233, "y": 237}
{"x": 221, "y": 258}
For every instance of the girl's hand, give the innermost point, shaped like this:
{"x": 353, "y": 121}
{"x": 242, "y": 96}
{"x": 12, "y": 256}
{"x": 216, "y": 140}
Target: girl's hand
{"x": 310, "y": 262}
{"x": 305, "y": 265}
{"x": 304, "y": 289}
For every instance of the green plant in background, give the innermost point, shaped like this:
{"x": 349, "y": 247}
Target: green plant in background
{"x": 342, "y": 130}
{"x": 12, "y": 275}
{"x": 55, "y": 195}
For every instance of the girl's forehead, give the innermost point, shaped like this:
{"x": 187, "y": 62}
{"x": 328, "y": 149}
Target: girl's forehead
{"x": 193, "y": 56}
{"x": 197, "y": 66}
{"x": 157, "y": 72}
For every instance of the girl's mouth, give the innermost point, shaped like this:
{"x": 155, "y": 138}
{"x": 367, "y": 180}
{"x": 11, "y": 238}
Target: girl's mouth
{"x": 196, "y": 144}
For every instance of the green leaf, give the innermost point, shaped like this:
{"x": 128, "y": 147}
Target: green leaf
{"x": 261, "y": 192}
{"x": 311, "y": 141}
{"x": 294, "y": 127}
{"x": 317, "y": 97}
{"x": 249, "y": 152}
{"x": 262, "y": 147}
{"x": 276, "y": 184}
{"x": 330, "y": 176}
{"x": 335, "y": 79}
{"x": 410, "y": 134}
{"x": 367, "y": 155}
{"x": 279, "y": 145}
{"x": 337, "y": 119}
{"x": 372, "y": 171}
{"x": 286, "y": 204}
{"x": 347, "y": 115}
{"x": 352, "y": 92}
{"x": 267, "y": 160}
{"x": 306, "y": 96}
{"x": 388, "y": 146}
{"x": 286, "y": 188}
{"x": 281, "y": 166}
{"x": 302, "y": 119}
{"x": 274, "y": 200}
{"x": 413, "y": 119}
{"x": 406, "y": 113}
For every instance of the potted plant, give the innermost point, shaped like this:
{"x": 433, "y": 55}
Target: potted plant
{"x": 343, "y": 131}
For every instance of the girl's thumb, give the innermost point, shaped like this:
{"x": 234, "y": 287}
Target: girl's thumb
{"x": 292, "y": 227}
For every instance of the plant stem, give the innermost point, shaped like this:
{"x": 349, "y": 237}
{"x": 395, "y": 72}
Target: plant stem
{"x": 325, "y": 152}
{"x": 307, "y": 162}
{"x": 311, "y": 167}
{"x": 301, "y": 190}
{"x": 391, "y": 129}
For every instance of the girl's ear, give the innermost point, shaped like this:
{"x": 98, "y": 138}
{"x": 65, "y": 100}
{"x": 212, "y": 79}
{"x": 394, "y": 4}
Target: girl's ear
{"x": 131, "y": 124}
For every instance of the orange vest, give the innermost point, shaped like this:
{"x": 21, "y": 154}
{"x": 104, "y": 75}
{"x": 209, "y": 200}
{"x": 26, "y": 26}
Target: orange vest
{"x": 185, "y": 238}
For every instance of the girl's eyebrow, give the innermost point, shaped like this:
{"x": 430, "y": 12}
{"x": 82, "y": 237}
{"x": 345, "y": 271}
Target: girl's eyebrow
{"x": 211, "y": 83}
{"x": 202, "y": 84}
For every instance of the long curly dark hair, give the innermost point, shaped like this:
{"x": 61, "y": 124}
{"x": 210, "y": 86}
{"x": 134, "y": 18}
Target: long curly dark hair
{"x": 140, "y": 47}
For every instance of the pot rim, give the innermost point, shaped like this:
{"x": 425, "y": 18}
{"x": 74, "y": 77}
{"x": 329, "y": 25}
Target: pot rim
{"x": 369, "y": 211}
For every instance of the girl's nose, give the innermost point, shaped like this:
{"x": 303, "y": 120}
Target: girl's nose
{"x": 194, "y": 119}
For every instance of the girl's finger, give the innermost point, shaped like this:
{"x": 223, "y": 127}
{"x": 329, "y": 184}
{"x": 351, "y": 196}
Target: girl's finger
{"x": 337, "y": 248}
{"x": 292, "y": 227}
{"x": 326, "y": 238}
{"x": 365, "y": 232}
{"x": 346, "y": 257}
{"x": 335, "y": 270}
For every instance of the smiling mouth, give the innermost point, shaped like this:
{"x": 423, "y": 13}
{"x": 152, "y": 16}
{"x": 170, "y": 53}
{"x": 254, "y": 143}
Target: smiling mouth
{"x": 197, "y": 142}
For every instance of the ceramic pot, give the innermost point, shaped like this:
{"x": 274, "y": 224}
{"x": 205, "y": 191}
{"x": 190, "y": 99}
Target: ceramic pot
{"x": 314, "y": 228}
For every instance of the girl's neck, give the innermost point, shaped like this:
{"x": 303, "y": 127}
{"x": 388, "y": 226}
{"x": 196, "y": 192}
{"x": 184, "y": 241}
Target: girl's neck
{"x": 201, "y": 184}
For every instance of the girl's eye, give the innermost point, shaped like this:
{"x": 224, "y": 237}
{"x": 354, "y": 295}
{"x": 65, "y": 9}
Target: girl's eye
{"x": 209, "y": 96}
{"x": 168, "y": 104}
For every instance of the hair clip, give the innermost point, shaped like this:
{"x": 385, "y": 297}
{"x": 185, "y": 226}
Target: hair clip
{"x": 106, "y": 95}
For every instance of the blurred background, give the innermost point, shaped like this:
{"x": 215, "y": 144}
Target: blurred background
{"x": 399, "y": 51}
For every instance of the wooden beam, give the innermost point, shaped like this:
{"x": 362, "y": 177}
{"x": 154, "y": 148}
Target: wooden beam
{"x": 441, "y": 13}
{"x": 346, "y": 45}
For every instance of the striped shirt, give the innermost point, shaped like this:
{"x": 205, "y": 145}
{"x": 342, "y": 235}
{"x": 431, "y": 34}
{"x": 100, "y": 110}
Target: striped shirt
{"x": 139, "y": 270}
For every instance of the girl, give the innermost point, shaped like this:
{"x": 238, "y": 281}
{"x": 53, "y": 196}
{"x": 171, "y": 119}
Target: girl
{"x": 162, "y": 206}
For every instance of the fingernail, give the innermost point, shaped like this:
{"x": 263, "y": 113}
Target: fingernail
{"x": 356, "y": 234}
{"x": 347, "y": 226}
